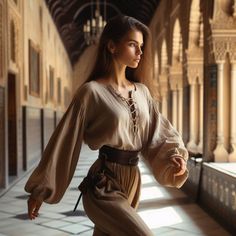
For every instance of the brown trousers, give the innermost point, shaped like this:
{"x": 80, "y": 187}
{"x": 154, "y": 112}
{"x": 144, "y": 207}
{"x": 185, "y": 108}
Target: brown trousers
{"x": 112, "y": 201}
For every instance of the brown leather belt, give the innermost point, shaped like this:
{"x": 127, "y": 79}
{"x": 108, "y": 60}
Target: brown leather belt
{"x": 119, "y": 156}
{"x": 107, "y": 153}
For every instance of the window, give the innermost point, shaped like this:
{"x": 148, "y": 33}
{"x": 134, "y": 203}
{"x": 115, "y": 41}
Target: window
{"x": 34, "y": 70}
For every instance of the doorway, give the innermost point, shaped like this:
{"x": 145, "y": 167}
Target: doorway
{"x": 12, "y": 122}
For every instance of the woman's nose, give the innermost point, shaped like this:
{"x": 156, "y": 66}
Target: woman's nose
{"x": 139, "y": 51}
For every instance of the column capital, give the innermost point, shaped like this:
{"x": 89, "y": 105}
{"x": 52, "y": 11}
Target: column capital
{"x": 174, "y": 81}
{"x": 232, "y": 50}
{"x": 220, "y": 49}
{"x": 195, "y": 71}
{"x": 163, "y": 78}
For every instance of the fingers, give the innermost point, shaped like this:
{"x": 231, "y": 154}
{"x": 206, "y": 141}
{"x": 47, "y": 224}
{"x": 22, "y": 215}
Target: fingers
{"x": 38, "y": 205}
{"x": 181, "y": 172}
{"x": 181, "y": 165}
{"x": 33, "y": 208}
{"x": 177, "y": 164}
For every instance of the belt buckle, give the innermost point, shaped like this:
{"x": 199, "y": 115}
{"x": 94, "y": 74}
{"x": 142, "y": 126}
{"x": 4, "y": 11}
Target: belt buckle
{"x": 133, "y": 161}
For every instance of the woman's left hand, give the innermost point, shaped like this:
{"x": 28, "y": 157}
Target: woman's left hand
{"x": 180, "y": 165}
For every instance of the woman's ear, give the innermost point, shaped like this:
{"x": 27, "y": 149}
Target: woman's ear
{"x": 111, "y": 47}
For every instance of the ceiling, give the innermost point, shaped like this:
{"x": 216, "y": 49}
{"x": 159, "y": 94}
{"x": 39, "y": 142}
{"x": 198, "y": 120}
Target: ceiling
{"x": 70, "y": 16}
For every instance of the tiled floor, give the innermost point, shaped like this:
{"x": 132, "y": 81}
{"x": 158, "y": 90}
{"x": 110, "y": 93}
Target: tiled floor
{"x": 166, "y": 211}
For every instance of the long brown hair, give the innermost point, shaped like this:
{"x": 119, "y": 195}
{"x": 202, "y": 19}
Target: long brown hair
{"x": 115, "y": 29}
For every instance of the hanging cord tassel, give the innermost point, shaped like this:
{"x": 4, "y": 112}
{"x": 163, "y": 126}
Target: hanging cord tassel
{"x": 77, "y": 203}
{"x": 83, "y": 189}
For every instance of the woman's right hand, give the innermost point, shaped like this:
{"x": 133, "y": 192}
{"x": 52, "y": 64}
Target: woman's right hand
{"x": 33, "y": 207}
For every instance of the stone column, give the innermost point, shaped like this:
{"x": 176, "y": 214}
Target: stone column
{"x": 174, "y": 108}
{"x": 192, "y": 144}
{"x": 220, "y": 153}
{"x": 164, "y": 104}
{"x": 175, "y": 79}
{"x": 164, "y": 94}
{"x": 200, "y": 144}
{"x": 180, "y": 110}
{"x": 232, "y": 155}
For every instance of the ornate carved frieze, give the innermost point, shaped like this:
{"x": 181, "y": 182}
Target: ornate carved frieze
{"x": 220, "y": 46}
{"x": 220, "y": 49}
{"x": 232, "y": 49}
{"x": 223, "y": 31}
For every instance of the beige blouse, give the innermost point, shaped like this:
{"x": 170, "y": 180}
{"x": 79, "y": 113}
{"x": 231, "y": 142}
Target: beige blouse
{"x": 99, "y": 115}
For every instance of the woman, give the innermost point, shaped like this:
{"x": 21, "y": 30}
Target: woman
{"x": 115, "y": 113}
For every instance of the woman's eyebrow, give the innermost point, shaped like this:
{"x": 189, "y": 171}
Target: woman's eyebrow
{"x": 135, "y": 41}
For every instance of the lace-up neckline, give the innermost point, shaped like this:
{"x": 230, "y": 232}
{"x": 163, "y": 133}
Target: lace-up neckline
{"x": 132, "y": 105}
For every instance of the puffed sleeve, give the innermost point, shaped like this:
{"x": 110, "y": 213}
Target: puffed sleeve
{"x": 50, "y": 179}
{"x": 163, "y": 143}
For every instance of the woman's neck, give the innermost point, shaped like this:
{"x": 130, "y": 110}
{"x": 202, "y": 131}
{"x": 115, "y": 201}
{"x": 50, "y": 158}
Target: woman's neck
{"x": 117, "y": 77}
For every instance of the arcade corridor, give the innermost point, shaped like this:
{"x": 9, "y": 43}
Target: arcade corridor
{"x": 48, "y": 50}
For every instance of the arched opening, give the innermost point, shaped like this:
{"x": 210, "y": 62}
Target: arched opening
{"x": 12, "y": 126}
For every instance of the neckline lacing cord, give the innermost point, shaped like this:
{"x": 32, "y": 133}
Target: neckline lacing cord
{"x": 132, "y": 107}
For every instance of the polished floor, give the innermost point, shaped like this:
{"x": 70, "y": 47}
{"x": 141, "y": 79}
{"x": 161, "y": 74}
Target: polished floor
{"x": 166, "y": 211}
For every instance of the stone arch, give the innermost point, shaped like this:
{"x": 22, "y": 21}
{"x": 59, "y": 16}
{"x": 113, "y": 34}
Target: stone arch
{"x": 177, "y": 43}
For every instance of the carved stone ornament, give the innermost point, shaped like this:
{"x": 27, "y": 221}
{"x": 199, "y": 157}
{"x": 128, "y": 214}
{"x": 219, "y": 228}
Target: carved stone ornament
{"x": 222, "y": 20}
{"x": 220, "y": 49}
{"x": 194, "y": 72}
{"x": 232, "y": 49}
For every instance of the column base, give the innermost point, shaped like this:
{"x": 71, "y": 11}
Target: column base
{"x": 200, "y": 148}
{"x": 220, "y": 153}
{"x": 232, "y": 155}
{"x": 192, "y": 147}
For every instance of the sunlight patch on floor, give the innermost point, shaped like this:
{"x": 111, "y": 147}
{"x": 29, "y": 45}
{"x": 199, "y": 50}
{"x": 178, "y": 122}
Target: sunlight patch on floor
{"x": 157, "y": 218}
{"x": 146, "y": 179}
{"x": 148, "y": 193}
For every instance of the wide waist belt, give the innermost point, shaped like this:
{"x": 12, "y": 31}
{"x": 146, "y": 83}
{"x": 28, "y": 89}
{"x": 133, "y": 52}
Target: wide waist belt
{"x": 107, "y": 153}
{"x": 122, "y": 157}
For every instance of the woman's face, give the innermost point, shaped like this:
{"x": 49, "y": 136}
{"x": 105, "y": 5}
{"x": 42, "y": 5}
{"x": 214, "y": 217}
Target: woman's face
{"x": 129, "y": 50}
